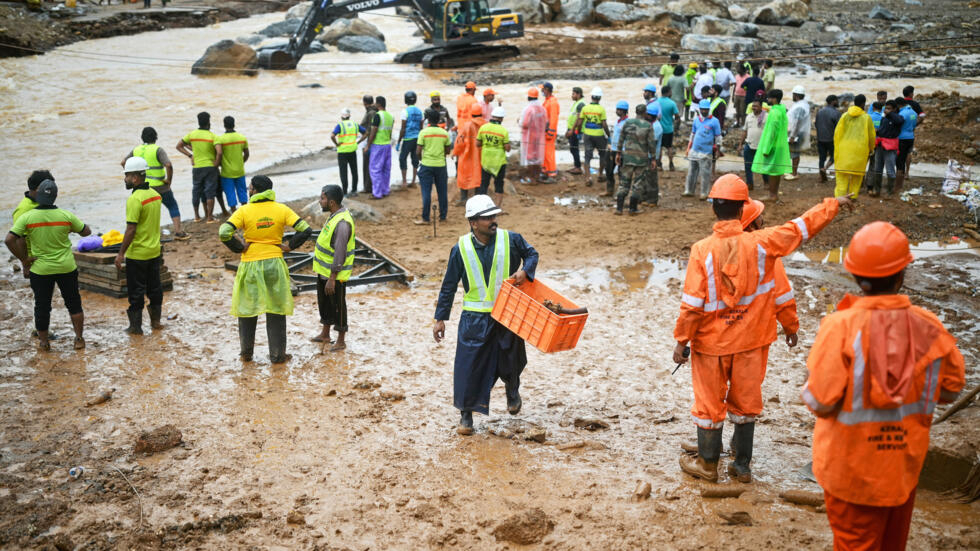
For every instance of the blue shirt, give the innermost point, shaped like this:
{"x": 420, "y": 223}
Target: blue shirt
{"x": 704, "y": 132}
{"x": 615, "y": 134}
{"x": 876, "y": 117}
{"x": 668, "y": 108}
{"x": 908, "y": 127}
{"x": 336, "y": 129}
{"x": 413, "y": 122}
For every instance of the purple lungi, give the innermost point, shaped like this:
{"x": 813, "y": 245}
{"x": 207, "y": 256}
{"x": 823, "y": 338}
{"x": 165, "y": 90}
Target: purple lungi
{"x": 380, "y": 170}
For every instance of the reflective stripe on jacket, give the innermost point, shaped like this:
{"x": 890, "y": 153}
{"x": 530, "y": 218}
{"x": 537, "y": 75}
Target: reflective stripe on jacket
{"x": 482, "y": 294}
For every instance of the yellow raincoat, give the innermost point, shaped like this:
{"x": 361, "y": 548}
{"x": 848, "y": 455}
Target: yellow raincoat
{"x": 854, "y": 141}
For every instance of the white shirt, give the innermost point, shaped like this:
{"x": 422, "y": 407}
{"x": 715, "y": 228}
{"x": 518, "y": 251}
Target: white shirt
{"x": 725, "y": 79}
{"x": 799, "y": 122}
{"x": 707, "y": 79}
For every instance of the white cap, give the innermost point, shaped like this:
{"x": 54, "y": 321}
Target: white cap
{"x": 136, "y": 164}
{"x": 596, "y": 92}
{"x": 799, "y": 90}
{"x": 497, "y": 112}
{"x": 481, "y": 205}
{"x": 345, "y": 112}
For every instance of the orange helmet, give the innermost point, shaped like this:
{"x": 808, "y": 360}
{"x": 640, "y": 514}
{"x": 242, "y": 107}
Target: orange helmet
{"x": 489, "y": 92}
{"x": 471, "y": 85}
{"x": 476, "y": 109}
{"x": 532, "y": 92}
{"x": 751, "y": 211}
{"x": 729, "y": 187}
{"x": 879, "y": 249}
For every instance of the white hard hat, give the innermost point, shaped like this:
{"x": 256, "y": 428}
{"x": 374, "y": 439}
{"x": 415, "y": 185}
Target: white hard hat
{"x": 799, "y": 90}
{"x": 481, "y": 205}
{"x": 497, "y": 112}
{"x": 345, "y": 112}
{"x": 596, "y": 92}
{"x": 136, "y": 164}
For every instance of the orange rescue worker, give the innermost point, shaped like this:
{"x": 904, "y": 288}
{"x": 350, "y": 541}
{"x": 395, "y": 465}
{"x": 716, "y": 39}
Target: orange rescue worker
{"x": 469, "y": 171}
{"x": 550, "y": 166}
{"x": 727, "y": 317}
{"x": 464, "y": 105}
{"x": 877, "y": 370}
{"x": 785, "y": 301}
{"x": 487, "y": 103}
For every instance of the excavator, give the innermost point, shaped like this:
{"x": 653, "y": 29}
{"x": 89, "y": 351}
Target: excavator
{"x": 457, "y": 33}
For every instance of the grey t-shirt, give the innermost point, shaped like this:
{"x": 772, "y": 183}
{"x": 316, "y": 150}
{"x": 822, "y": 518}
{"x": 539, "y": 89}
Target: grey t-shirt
{"x": 677, "y": 85}
{"x": 827, "y": 118}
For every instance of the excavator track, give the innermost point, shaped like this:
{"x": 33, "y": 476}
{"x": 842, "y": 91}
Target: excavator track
{"x": 467, "y": 56}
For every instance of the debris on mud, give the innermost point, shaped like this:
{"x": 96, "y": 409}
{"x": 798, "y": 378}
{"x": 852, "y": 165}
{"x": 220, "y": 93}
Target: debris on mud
{"x": 158, "y": 440}
{"x": 517, "y": 429}
{"x": 391, "y": 395}
{"x": 295, "y": 517}
{"x": 722, "y": 491}
{"x": 642, "y": 491}
{"x": 736, "y": 518}
{"x": 102, "y": 398}
{"x": 525, "y": 528}
{"x": 591, "y": 424}
{"x": 801, "y": 497}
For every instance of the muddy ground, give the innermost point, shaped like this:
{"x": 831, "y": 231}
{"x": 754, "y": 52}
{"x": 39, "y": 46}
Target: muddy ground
{"x": 357, "y": 450}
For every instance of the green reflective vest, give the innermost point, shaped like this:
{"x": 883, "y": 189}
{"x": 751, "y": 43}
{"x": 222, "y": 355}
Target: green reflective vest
{"x": 574, "y": 115}
{"x": 155, "y": 173}
{"x": 593, "y": 116}
{"x": 715, "y": 103}
{"x": 481, "y": 294}
{"x": 383, "y": 137}
{"x": 347, "y": 139}
{"x": 323, "y": 255}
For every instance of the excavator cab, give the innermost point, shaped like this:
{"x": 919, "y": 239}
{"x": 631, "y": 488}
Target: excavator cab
{"x": 473, "y": 21}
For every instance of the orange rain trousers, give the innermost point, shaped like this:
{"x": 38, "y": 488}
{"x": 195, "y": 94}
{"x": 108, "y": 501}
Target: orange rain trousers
{"x": 468, "y": 170}
{"x": 867, "y": 528}
{"x": 550, "y": 166}
{"x": 730, "y": 384}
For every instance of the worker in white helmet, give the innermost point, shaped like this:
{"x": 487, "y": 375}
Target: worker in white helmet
{"x": 592, "y": 124}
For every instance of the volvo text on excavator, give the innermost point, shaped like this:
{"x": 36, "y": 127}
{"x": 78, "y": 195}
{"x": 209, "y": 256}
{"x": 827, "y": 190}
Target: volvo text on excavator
{"x": 457, "y": 32}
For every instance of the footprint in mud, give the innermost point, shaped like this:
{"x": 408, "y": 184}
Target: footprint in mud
{"x": 517, "y": 429}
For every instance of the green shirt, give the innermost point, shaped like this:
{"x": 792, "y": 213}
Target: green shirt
{"x": 493, "y": 137}
{"x": 433, "y": 141}
{"x": 25, "y": 205}
{"x": 233, "y": 146}
{"x": 202, "y": 144}
{"x": 143, "y": 209}
{"x": 48, "y": 227}
{"x": 666, "y": 71}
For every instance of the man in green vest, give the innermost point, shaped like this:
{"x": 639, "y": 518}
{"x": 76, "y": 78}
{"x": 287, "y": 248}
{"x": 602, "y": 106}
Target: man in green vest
{"x": 50, "y": 261}
{"x": 380, "y": 140}
{"x": 485, "y": 350}
{"x": 592, "y": 123}
{"x": 140, "y": 248}
{"x": 29, "y": 203}
{"x": 159, "y": 174}
{"x": 572, "y": 134}
{"x": 198, "y": 146}
{"x": 344, "y": 136}
{"x": 333, "y": 268}
{"x": 231, "y": 152}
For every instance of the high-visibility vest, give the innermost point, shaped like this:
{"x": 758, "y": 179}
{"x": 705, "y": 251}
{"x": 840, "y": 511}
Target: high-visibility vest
{"x": 155, "y": 173}
{"x": 593, "y": 114}
{"x": 383, "y": 137}
{"x": 323, "y": 254}
{"x": 715, "y": 103}
{"x": 574, "y": 115}
{"x": 347, "y": 139}
{"x": 482, "y": 294}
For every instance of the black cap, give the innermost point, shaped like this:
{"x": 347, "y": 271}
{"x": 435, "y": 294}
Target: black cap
{"x": 47, "y": 193}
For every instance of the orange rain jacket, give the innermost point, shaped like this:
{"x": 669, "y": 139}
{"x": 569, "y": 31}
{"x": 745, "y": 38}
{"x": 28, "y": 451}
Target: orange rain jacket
{"x": 729, "y": 297}
{"x": 785, "y": 301}
{"x": 464, "y": 109}
{"x": 468, "y": 171}
{"x": 877, "y": 370}
{"x": 551, "y": 106}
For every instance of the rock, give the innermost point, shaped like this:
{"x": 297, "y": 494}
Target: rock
{"x": 532, "y": 10}
{"x": 391, "y": 395}
{"x": 608, "y": 13}
{"x": 879, "y": 12}
{"x": 358, "y": 210}
{"x": 576, "y": 11}
{"x": 349, "y": 27}
{"x": 250, "y": 39}
{"x": 361, "y": 44}
{"x": 227, "y": 58}
{"x": 970, "y": 152}
{"x": 642, "y": 491}
{"x": 158, "y": 440}
{"x": 738, "y": 13}
{"x": 903, "y": 27}
{"x": 708, "y": 24}
{"x": 317, "y": 47}
{"x": 590, "y": 423}
{"x": 298, "y": 11}
{"x": 295, "y": 517}
{"x": 913, "y": 2}
{"x": 737, "y": 518}
{"x": 282, "y": 28}
{"x": 525, "y": 528}
{"x": 694, "y": 8}
{"x": 832, "y": 29}
{"x": 538, "y": 435}
{"x": 720, "y": 44}
{"x": 782, "y": 12}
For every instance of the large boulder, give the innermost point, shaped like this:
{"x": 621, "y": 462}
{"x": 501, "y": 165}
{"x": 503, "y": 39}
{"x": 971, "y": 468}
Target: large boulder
{"x": 227, "y": 58}
{"x": 693, "y": 8}
{"x": 250, "y": 39}
{"x": 361, "y": 44}
{"x": 609, "y": 13}
{"x": 298, "y": 11}
{"x": 279, "y": 43}
{"x": 349, "y": 27}
{"x": 738, "y": 13}
{"x": 879, "y": 12}
{"x": 782, "y": 12}
{"x": 576, "y": 11}
{"x": 532, "y": 10}
{"x": 282, "y": 28}
{"x": 719, "y": 44}
{"x": 709, "y": 24}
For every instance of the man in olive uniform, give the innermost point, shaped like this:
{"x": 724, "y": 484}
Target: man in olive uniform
{"x": 636, "y": 156}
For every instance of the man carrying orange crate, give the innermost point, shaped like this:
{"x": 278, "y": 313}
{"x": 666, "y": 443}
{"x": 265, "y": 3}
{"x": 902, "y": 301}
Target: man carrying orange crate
{"x": 485, "y": 350}
{"x": 727, "y": 316}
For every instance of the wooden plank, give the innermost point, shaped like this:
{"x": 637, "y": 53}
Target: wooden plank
{"x": 167, "y": 287}
{"x": 109, "y": 270}
{"x": 95, "y": 258}
{"x": 114, "y": 284}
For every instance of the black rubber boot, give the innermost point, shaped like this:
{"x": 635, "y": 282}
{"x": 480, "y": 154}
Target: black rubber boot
{"x": 465, "y": 427}
{"x": 135, "y": 322}
{"x": 514, "y": 402}
{"x": 705, "y": 465}
{"x": 275, "y": 330}
{"x": 742, "y": 452}
{"x": 890, "y": 185}
{"x": 875, "y": 187}
{"x": 634, "y": 205}
{"x": 246, "y": 337}
{"x": 155, "y": 313}
{"x": 620, "y": 200}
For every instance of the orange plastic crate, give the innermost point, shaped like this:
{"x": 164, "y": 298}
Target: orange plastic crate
{"x": 521, "y": 309}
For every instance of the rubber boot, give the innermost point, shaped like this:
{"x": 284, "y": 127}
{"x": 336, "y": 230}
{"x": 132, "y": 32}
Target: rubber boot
{"x": 465, "y": 427}
{"x": 634, "y": 206}
{"x": 514, "y": 401}
{"x": 246, "y": 337}
{"x": 899, "y": 182}
{"x": 742, "y": 452}
{"x": 135, "y": 322}
{"x": 890, "y": 185}
{"x": 875, "y": 187}
{"x": 705, "y": 465}
{"x": 690, "y": 447}
{"x": 275, "y": 329}
{"x": 620, "y": 199}
{"x": 155, "y": 313}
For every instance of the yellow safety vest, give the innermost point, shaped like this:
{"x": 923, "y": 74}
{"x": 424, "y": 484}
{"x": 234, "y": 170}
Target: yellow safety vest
{"x": 574, "y": 116}
{"x": 592, "y": 116}
{"x": 347, "y": 139}
{"x": 323, "y": 255}
{"x": 155, "y": 173}
{"x": 481, "y": 295}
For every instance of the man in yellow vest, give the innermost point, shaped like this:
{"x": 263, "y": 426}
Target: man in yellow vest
{"x": 159, "y": 174}
{"x": 198, "y": 146}
{"x": 333, "y": 268}
{"x": 344, "y": 136}
{"x": 140, "y": 248}
{"x": 592, "y": 123}
{"x": 485, "y": 350}
{"x": 29, "y": 202}
{"x": 572, "y": 134}
{"x": 231, "y": 152}
{"x": 379, "y": 139}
